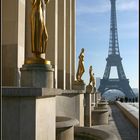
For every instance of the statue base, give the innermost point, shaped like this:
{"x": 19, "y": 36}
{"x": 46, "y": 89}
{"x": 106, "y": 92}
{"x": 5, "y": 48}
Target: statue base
{"x": 78, "y": 85}
{"x": 89, "y": 89}
{"x": 37, "y": 60}
{"x": 37, "y": 75}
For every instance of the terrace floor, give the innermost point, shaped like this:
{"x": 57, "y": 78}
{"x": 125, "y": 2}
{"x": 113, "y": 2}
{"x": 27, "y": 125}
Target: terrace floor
{"x": 119, "y": 125}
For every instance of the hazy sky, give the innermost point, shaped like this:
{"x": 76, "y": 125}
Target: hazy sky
{"x": 92, "y": 34}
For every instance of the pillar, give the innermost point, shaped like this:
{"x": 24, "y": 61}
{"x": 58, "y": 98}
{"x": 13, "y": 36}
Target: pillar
{"x": 96, "y": 99}
{"x": 73, "y": 54}
{"x": 93, "y": 99}
{"x": 28, "y": 52}
{"x": 62, "y": 44}
{"x": 68, "y": 44}
{"x": 87, "y": 110}
{"x": 13, "y": 19}
{"x": 52, "y": 28}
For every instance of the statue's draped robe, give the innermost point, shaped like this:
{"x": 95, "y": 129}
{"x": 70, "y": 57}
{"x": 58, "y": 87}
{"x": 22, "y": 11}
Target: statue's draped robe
{"x": 81, "y": 68}
{"x": 39, "y": 34}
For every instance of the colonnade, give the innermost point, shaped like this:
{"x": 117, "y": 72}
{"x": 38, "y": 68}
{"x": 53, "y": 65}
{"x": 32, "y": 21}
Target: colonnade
{"x": 16, "y": 40}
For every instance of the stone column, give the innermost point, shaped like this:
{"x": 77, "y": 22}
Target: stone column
{"x": 13, "y": 18}
{"x": 73, "y": 53}
{"x": 62, "y": 44}
{"x": 96, "y": 99}
{"x": 68, "y": 44}
{"x": 52, "y": 28}
{"x": 93, "y": 100}
{"x": 28, "y": 52}
{"x": 87, "y": 110}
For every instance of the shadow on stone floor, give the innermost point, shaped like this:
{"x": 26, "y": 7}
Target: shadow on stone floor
{"x": 126, "y": 130}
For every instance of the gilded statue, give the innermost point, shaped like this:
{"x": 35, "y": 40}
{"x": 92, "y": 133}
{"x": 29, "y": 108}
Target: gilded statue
{"x": 39, "y": 35}
{"x": 81, "y": 68}
{"x": 91, "y": 74}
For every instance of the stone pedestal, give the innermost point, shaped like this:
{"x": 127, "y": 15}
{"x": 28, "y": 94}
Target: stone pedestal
{"x": 37, "y": 75}
{"x": 93, "y": 100}
{"x": 102, "y": 105}
{"x": 28, "y": 114}
{"x": 78, "y": 85}
{"x": 100, "y": 116}
{"x": 89, "y": 89}
{"x": 97, "y": 99}
{"x": 65, "y": 128}
{"x": 87, "y": 109}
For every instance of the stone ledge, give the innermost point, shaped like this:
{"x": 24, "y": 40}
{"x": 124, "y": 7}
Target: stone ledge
{"x": 29, "y": 92}
{"x": 73, "y": 91}
{"x": 129, "y": 113}
{"x": 30, "y": 67}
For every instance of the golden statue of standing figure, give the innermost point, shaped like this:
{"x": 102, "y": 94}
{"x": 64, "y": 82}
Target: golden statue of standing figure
{"x": 39, "y": 35}
{"x": 91, "y": 74}
{"x": 81, "y": 68}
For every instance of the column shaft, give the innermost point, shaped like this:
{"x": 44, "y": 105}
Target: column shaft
{"x": 62, "y": 44}
{"x": 52, "y": 46}
{"x": 73, "y": 54}
{"x": 28, "y": 52}
{"x": 13, "y": 19}
{"x": 68, "y": 44}
{"x": 87, "y": 110}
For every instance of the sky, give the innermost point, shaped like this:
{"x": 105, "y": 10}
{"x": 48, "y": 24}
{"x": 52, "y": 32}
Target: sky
{"x": 92, "y": 34}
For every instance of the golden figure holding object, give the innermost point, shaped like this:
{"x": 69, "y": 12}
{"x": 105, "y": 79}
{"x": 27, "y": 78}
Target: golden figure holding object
{"x": 39, "y": 35}
{"x": 92, "y": 80}
{"x": 81, "y": 68}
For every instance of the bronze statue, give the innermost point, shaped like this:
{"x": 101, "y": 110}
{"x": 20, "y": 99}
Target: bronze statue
{"x": 91, "y": 80}
{"x": 81, "y": 68}
{"x": 39, "y": 35}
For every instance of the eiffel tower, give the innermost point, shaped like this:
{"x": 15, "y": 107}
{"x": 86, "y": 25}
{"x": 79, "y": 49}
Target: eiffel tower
{"x": 114, "y": 59}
